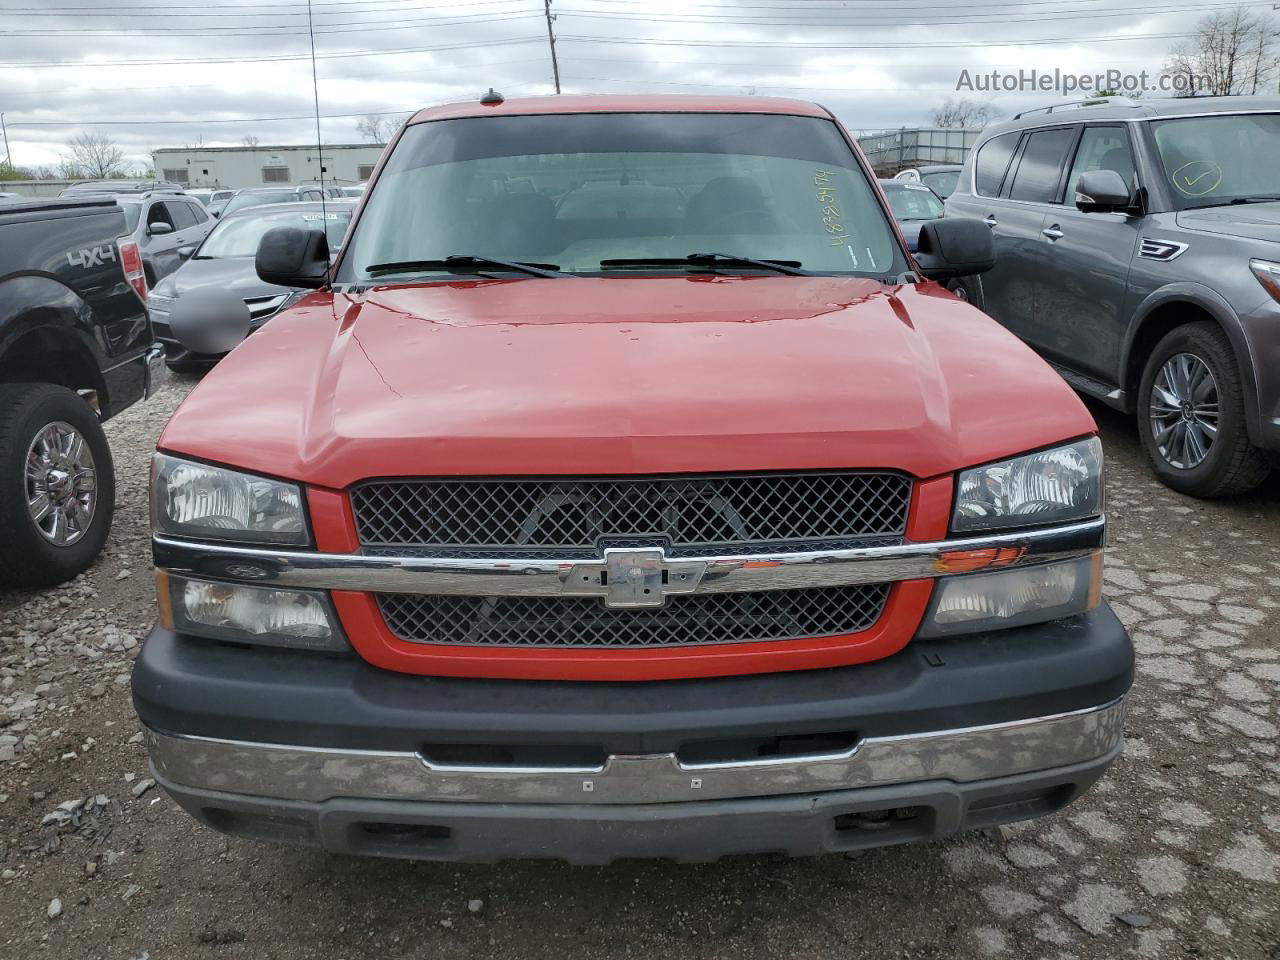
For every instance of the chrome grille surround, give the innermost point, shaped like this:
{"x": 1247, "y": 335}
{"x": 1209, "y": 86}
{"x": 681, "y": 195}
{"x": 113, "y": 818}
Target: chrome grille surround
{"x": 695, "y": 619}
{"x": 693, "y": 514}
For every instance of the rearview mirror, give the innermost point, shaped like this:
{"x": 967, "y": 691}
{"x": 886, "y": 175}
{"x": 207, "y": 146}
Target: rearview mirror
{"x": 955, "y": 247}
{"x": 293, "y": 257}
{"x": 159, "y": 229}
{"x": 1102, "y": 191}
{"x": 209, "y": 321}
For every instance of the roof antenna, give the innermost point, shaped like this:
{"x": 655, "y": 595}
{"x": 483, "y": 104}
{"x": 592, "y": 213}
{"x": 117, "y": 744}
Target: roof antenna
{"x": 492, "y": 98}
{"x": 315, "y": 89}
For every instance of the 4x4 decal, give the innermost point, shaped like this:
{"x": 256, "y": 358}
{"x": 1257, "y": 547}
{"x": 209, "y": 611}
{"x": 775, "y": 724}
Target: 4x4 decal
{"x": 92, "y": 256}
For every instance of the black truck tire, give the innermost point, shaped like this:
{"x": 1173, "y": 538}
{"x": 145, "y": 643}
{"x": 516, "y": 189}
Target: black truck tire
{"x": 37, "y": 417}
{"x": 1231, "y": 464}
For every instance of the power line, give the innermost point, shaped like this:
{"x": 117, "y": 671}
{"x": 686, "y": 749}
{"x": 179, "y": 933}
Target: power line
{"x": 804, "y": 45}
{"x": 275, "y": 29}
{"x": 352, "y": 54}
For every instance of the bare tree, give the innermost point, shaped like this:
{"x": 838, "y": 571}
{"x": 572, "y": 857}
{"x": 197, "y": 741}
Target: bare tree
{"x": 250, "y": 141}
{"x": 373, "y": 127}
{"x": 94, "y": 156}
{"x": 1230, "y": 53}
{"x": 962, "y": 112}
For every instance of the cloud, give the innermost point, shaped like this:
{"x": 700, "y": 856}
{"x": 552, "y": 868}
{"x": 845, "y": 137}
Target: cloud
{"x": 372, "y": 59}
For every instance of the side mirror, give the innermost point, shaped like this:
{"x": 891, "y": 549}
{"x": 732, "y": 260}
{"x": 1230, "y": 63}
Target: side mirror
{"x": 293, "y": 257}
{"x": 159, "y": 229}
{"x": 955, "y": 247}
{"x": 209, "y": 321}
{"x": 185, "y": 253}
{"x": 215, "y": 214}
{"x": 1102, "y": 191}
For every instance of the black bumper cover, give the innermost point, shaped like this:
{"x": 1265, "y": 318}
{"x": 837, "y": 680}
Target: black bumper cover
{"x": 197, "y": 687}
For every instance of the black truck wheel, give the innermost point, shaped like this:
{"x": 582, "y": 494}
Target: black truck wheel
{"x": 1191, "y": 415}
{"x": 57, "y": 485}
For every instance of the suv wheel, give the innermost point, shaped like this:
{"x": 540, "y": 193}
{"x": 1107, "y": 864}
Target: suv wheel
{"x": 57, "y": 487}
{"x": 1191, "y": 415}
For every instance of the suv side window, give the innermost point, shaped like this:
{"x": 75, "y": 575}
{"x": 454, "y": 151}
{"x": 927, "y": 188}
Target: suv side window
{"x": 182, "y": 215}
{"x": 158, "y": 213}
{"x": 992, "y": 162}
{"x": 1040, "y": 169}
{"x": 197, "y": 211}
{"x": 1103, "y": 148}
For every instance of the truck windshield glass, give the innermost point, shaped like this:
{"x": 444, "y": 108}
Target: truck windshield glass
{"x": 238, "y": 236}
{"x": 1211, "y": 161}
{"x": 577, "y": 189}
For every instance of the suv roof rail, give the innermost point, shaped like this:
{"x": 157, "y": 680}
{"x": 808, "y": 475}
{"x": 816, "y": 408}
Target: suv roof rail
{"x": 1080, "y": 104}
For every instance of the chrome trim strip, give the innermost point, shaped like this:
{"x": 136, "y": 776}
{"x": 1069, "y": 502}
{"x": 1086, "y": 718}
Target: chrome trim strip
{"x": 554, "y": 578}
{"x": 962, "y": 755}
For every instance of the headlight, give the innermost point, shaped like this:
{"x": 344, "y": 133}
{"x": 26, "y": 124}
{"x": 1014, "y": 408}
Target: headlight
{"x": 1052, "y": 486}
{"x": 1268, "y": 275}
{"x": 1012, "y": 598}
{"x": 196, "y": 500}
{"x": 299, "y": 619}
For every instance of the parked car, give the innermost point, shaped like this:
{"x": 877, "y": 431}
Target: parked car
{"x": 941, "y": 178}
{"x": 1139, "y": 252}
{"x": 75, "y": 350}
{"x": 913, "y": 205}
{"x": 529, "y": 535}
{"x": 121, "y": 186}
{"x": 210, "y": 196}
{"x": 5, "y": 197}
{"x": 354, "y": 191}
{"x": 163, "y": 224}
{"x": 225, "y": 260}
{"x": 258, "y": 196}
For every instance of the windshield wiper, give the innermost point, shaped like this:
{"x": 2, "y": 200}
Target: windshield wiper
{"x": 1259, "y": 199}
{"x": 791, "y": 267}
{"x": 466, "y": 263}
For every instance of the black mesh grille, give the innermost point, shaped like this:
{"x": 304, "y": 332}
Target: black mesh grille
{"x": 585, "y": 622}
{"x": 577, "y": 515}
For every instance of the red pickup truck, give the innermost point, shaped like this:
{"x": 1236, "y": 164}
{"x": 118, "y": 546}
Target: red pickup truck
{"x": 626, "y": 489}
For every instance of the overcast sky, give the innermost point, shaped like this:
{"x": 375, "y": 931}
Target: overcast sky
{"x": 876, "y": 64}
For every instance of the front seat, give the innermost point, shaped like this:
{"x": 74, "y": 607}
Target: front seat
{"x": 729, "y": 205}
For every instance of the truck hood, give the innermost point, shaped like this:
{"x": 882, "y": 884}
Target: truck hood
{"x": 1257, "y": 221}
{"x": 624, "y": 375}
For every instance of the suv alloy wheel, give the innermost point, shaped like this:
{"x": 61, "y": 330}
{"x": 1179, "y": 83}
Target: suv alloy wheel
{"x": 1191, "y": 415}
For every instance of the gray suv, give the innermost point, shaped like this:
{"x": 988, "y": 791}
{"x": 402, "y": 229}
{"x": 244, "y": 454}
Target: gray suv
{"x": 1138, "y": 250}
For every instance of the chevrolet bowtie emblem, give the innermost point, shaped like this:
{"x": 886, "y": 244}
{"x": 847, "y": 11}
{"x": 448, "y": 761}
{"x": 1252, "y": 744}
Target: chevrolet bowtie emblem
{"x": 634, "y": 578}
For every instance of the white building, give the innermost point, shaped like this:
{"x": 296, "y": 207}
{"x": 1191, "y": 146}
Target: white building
{"x": 253, "y": 166}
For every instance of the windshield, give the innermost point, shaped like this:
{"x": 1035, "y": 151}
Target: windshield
{"x": 1209, "y": 161}
{"x": 242, "y": 200}
{"x": 573, "y": 190}
{"x": 943, "y": 184}
{"x": 239, "y": 236}
{"x": 911, "y": 202}
{"x": 132, "y": 213}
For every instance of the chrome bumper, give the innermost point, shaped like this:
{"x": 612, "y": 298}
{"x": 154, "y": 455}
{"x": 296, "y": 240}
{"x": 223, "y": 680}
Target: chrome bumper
{"x": 579, "y": 576}
{"x": 963, "y": 755}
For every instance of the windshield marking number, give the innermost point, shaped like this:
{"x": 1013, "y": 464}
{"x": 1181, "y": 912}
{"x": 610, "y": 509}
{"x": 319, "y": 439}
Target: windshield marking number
{"x": 827, "y": 203}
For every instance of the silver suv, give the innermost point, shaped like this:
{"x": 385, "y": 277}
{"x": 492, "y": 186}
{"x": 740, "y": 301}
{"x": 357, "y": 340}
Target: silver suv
{"x": 1138, "y": 250}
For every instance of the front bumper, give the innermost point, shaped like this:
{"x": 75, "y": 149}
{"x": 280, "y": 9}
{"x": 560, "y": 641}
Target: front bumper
{"x": 944, "y": 735}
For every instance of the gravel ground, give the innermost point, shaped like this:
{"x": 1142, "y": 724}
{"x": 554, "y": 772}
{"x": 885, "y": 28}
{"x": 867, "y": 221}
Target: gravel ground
{"x": 1175, "y": 854}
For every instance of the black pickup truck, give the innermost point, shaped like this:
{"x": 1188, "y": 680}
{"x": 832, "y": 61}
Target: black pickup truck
{"x": 76, "y": 348}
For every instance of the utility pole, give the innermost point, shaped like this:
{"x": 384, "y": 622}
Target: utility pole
{"x": 8, "y": 158}
{"x": 551, "y": 40}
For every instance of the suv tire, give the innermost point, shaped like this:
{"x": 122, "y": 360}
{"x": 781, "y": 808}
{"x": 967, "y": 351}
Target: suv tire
{"x": 37, "y": 418}
{"x": 1231, "y": 464}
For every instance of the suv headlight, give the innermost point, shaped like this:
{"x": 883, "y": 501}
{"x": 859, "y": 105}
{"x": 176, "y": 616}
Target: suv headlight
{"x": 299, "y": 619}
{"x": 196, "y": 500}
{"x": 1051, "y": 486}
